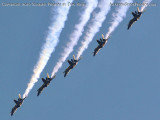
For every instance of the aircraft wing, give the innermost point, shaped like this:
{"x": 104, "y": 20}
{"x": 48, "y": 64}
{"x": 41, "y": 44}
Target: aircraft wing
{"x": 40, "y": 89}
{"x": 43, "y": 80}
{"x": 131, "y": 23}
{"x": 13, "y": 110}
{"x": 133, "y": 14}
{"x": 96, "y": 50}
{"x": 70, "y": 63}
{"x": 15, "y": 101}
{"x": 67, "y": 71}
{"x": 98, "y": 42}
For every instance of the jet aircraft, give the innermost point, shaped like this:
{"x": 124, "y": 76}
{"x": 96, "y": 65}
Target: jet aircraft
{"x": 137, "y": 14}
{"x": 46, "y": 82}
{"x": 18, "y": 104}
{"x": 101, "y": 44}
{"x": 72, "y": 63}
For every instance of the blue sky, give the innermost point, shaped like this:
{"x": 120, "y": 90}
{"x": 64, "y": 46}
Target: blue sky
{"x": 120, "y": 83}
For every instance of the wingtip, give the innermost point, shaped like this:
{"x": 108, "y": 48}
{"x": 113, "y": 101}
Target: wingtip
{"x": 38, "y": 94}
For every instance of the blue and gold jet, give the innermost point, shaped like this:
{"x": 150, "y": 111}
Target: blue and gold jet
{"x": 101, "y": 44}
{"x": 46, "y": 82}
{"x": 18, "y": 104}
{"x": 136, "y": 15}
{"x": 72, "y": 63}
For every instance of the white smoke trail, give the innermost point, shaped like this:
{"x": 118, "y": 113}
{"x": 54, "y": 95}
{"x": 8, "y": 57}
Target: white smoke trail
{"x": 118, "y": 16}
{"x": 145, "y": 2}
{"x": 59, "y": 18}
{"x": 94, "y": 26}
{"x": 74, "y": 37}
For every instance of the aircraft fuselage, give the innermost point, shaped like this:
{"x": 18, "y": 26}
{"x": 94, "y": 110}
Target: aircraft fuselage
{"x": 103, "y": 44}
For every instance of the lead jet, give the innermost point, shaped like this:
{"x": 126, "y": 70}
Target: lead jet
{"x": 18, "y": 104}
{"x": 137, "y": 14}
{"x": 72, "y": 63}
{"x": 46, "y": 82}
{"x": 101, "y": 44}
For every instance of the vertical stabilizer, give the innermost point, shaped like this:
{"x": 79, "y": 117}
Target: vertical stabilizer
{"x": 102, "y": 36}
{"x": 74, "y": 57}
{"x": 48, "y": 75}
{"x": 19, "y": 96}
{"x": 138, "y": 9}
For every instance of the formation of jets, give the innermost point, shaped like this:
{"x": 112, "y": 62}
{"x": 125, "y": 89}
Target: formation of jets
{"x": 73, "y": 62}
{"x": 101, "y": 43}
{"x": 20, "y": 100}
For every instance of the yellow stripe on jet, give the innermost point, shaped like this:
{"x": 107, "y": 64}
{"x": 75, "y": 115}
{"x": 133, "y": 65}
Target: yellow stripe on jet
{"x": 19, "y": 96}
{"x": 102, "y": 36}
{"x": 48, "y": 75}
{"x": 74, "y": 57}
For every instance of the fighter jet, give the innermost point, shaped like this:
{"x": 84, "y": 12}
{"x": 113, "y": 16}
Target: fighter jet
{"x": 46, "y": 82}
{"x": 72, "y": 63}
{"x": 101, "y": 43}
{"x": 18, "y": 104}
{"x": 137, "y": 14}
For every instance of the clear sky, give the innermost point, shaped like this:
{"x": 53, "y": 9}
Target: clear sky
{"x": 122, "y": 82}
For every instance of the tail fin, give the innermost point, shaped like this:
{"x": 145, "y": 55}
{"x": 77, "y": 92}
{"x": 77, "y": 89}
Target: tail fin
{"x": 102, "y": 36}
{"x": 138, "y": 9}
{"x": 19, "y": 96}
{"x": 74, "y": 57}
{"x": 48, "y": 75}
